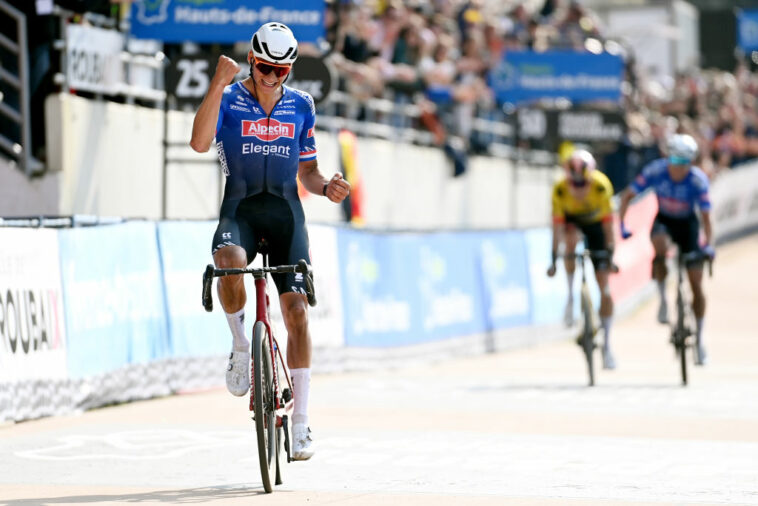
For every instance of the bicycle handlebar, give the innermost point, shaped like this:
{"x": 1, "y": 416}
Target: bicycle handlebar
{"x": 697, "y": 255}
{"x": 599, "y": 254}
{"x": 302, "y": 267}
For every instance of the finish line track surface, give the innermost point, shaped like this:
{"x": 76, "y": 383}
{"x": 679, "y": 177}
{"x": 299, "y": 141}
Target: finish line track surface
{"x": 511, "y": 428}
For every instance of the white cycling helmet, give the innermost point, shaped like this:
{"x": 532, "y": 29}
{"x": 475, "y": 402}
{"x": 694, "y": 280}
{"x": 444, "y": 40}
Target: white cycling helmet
{"x": 275, "y": 43}
{"x": 579, "y": 165}
{"x": 682, "y": 149}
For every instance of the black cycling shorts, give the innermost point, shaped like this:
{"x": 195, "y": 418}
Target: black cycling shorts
{"x": 684, "y": 232}
{"x": 281, "y": 222}
{"x": 594, "y": 239}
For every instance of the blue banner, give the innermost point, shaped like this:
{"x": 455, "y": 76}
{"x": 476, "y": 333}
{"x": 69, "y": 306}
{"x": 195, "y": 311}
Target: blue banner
{"x": 747, "y": 30}
{"x": 379, "y": 308}
{"x": 408, "y": 289}
{"x": 185, "y": 249}
{"x": 525, "y": 76}
{"x": 447, "y": 277}
{"x": 114, "y": 300}
{"x": 549, "y": 295}
{"x": 224, "y": 21}
{"x": 505, "y": 278}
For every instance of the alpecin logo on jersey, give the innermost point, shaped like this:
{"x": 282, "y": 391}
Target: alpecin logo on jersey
{"x": 267, "y": 129}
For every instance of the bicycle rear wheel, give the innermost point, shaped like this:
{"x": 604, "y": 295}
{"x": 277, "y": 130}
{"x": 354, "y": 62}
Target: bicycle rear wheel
{"x": 588, "y": 335}
{"x": 264, "y": 405}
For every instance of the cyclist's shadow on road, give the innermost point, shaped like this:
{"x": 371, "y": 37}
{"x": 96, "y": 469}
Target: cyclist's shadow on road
{"x": 179, "y": 496}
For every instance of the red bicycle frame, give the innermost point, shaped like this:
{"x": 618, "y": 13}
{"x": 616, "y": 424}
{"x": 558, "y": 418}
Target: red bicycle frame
{"x": 262, "y": 314}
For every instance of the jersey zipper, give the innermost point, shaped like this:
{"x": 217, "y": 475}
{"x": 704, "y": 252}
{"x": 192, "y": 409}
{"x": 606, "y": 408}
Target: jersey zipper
{"x": 268, "y": 127}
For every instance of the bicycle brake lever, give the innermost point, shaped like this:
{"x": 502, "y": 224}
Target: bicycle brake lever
{"x": 310, "y": 291}
{"x": 207, "y": 283}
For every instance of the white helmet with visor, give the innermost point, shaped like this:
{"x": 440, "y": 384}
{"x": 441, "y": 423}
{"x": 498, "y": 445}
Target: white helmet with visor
{"x": 274, "y": 43}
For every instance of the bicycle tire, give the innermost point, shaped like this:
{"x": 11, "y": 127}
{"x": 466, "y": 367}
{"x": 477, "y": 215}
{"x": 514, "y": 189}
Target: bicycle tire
{"x": 683, "y": 362}
{"x": 279, "y": 367}
{"x": 680, "y": 334}
{"x": 588, "y": 335}
{"x": 265, "y": 415}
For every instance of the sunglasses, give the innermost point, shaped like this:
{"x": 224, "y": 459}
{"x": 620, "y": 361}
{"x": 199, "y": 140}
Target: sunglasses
{"x": 267, "y": 68}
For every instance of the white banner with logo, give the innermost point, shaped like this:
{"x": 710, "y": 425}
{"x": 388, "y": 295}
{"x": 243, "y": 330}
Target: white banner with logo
{"x": 734, "y": 195}
{"x": 93, "y": 59}
{"x": 325, "y": 319}
{"x": 32, "y": 330}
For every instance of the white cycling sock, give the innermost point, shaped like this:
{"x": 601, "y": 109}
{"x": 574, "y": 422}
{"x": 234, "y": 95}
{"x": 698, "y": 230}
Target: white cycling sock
{"x": 606, "y": 321}
{"x": 301, "y": 383}
{"x": 237, "y": 325}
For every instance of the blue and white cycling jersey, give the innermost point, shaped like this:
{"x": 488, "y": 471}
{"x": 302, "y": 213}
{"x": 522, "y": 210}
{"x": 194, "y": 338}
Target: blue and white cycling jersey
{"x": 260, "y": 153}
{"x": 675, "y": 199}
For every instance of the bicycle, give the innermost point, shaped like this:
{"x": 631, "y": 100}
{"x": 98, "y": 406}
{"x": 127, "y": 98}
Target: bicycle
{"x": 586, "y": 338}
{"x": 682, "y": 329}
{"x": 271, "y": 405}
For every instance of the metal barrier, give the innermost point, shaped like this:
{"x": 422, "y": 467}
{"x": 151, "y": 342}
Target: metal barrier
{"x": 18, "y": 149}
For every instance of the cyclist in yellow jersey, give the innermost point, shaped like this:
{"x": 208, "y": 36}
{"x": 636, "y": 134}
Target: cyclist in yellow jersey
{"x": 582, "y": 202}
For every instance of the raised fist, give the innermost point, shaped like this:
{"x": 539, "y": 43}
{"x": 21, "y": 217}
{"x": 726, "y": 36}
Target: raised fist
{"x": 226, "y": 69}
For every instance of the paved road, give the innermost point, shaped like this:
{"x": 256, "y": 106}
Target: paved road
{"x": 512, "y": 428}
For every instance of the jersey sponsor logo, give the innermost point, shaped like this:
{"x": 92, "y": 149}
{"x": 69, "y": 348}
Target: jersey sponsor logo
{"x": 265, "y": 149}
{"x": 236, "y": 107}
{"x": 268, "y": 129}
{"x": 310, "y": 132}
{"x": 280, "y": 113}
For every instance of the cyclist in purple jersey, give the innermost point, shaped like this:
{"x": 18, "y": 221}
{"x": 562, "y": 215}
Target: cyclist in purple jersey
{"x": 265, "y": 140}
{"x": 680, "y": 188}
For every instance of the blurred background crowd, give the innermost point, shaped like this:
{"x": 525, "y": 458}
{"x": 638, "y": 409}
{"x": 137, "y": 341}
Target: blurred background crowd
{"x": 437, "y": 58}
{"x": 438, "y": 55}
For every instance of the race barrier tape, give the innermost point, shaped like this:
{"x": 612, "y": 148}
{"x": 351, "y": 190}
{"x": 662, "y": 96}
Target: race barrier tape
{"x": 95, "y": 315}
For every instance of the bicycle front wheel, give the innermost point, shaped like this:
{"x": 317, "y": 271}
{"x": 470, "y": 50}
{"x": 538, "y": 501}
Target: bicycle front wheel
{"x": 588, "y": 335}
{"x": 264, "y": 405}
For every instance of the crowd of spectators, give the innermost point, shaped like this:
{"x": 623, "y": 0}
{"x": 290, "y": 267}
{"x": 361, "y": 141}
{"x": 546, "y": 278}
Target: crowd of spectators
{"x": 437, "y": 54}
{"x": 718, "y": 108}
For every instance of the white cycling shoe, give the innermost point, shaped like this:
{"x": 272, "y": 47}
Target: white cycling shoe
{"x": 302, "y": 444}
{"x": 238, "y": 373}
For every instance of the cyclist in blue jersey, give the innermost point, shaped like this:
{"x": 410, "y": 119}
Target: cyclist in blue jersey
{"x": 265, "y": 140}
{"x": 680, "y": 188}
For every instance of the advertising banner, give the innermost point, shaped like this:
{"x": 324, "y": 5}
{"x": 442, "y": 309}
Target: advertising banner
{"x": 549, "y": 295}
{"x": 525, "y": 76}
{"x": 32, "y": 328}
{"x": 185, "y": 249}
{"x": 224, "y": 21}
{"x": 407, "y": 289}
{"x": 447, "y": 276}
{"x": 93, "y": 59}
{"x": 379, "y": 303}
{"x": 504, "y": 273}
{"x": 634, "y": 255}
{"x": 734, "y": 195}
{"x": 115, "y": 306}
{"x": 747, "y": 29}
{"x": 549, "y": 128}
